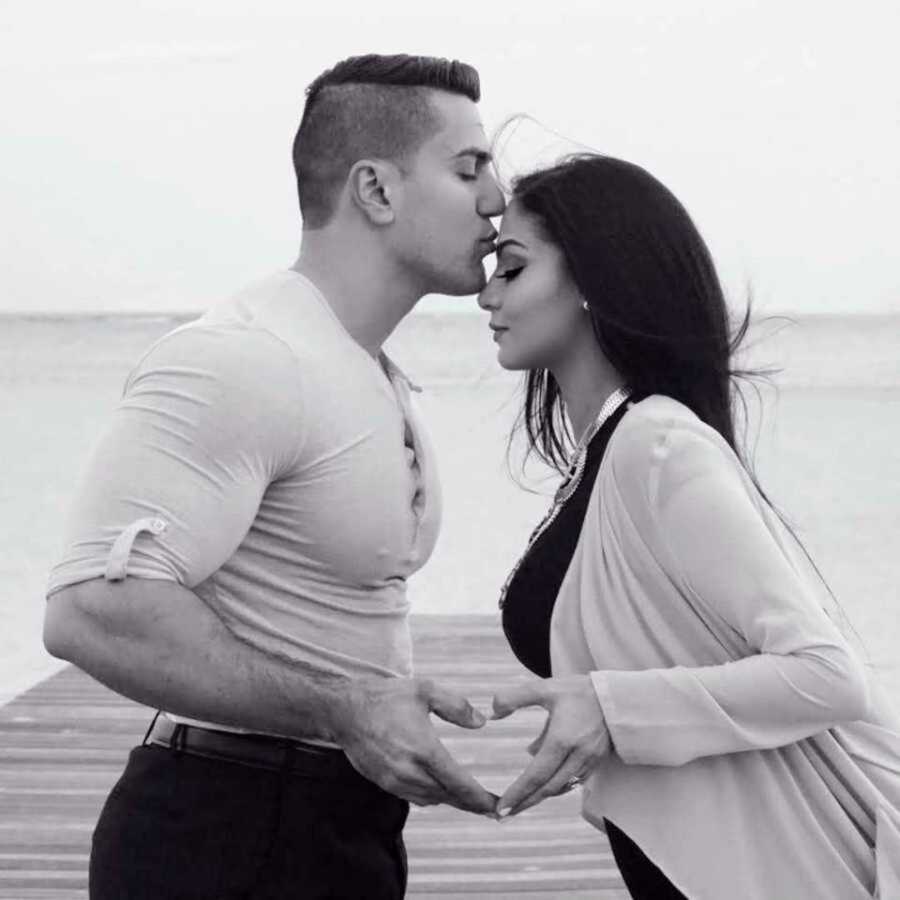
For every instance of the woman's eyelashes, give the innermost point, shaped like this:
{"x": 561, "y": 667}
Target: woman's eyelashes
{"x": 509, "y": 274}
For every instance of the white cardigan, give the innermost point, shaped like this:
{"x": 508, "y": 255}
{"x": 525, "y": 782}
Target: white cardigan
{"x": 754, "y": 758}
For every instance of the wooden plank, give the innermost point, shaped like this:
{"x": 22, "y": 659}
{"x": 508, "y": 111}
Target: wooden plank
{"x": 64, "y": 743}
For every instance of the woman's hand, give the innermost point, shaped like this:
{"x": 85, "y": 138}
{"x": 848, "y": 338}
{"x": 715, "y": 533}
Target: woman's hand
{"x": 574, "y": 738}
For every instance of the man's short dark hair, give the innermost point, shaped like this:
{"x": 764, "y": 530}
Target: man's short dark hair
{"x": 368, "y": 107}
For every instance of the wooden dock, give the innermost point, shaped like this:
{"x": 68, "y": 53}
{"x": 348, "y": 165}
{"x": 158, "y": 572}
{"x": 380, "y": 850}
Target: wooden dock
{"x": 64, "y": 743}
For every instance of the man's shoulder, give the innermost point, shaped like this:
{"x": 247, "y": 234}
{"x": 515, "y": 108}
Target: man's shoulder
{"x": 221, "y": 350}
{"x": 222, "y": 365}
{"x": 234, "y": 383}
{"x": 284, "y": 305}
{"x": 267, "y": 325}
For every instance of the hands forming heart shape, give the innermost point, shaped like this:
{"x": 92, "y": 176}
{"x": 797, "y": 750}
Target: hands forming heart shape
{"x": 573, "y": 739}
{"x": 384, "y": 728}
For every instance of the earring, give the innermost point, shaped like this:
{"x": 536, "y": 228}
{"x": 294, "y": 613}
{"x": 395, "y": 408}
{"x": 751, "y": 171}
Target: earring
{"x": 584, "y": 306}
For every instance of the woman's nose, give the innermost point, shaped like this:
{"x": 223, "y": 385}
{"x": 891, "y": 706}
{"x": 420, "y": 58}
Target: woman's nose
{"x": 487, "y": 299}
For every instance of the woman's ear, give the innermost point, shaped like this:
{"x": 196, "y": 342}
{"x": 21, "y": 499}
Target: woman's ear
{"x": 372, "y": 184}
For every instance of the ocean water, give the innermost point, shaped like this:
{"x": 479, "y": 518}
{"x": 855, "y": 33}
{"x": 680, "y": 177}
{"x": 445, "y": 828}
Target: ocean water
{"x": 826, "y": 436}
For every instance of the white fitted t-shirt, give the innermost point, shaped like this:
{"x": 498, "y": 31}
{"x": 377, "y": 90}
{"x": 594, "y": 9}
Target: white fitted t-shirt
{"x": 262, "y": 458}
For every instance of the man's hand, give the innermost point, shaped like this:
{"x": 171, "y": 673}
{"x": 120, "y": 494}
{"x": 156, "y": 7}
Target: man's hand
{"x": 574, "y": 738}
{"x": 385, "y": 730}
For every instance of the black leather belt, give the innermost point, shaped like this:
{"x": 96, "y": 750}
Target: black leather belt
{"x": 257, "y": 750}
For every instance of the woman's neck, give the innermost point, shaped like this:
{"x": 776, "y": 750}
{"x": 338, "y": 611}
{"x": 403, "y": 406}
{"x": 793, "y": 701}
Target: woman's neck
{"x": 586, "y": 379}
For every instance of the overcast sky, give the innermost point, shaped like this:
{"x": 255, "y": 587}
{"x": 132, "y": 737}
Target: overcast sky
{"x": 145, "y": 146}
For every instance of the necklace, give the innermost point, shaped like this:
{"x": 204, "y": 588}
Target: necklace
{"x": 570, "y": 481}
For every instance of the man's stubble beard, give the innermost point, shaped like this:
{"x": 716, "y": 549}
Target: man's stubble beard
{"x": 461, "y": 278}
{"x": 472, "y": 281}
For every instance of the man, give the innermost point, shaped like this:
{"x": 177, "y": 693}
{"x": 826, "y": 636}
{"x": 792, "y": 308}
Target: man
{"x": 239, "y": 550}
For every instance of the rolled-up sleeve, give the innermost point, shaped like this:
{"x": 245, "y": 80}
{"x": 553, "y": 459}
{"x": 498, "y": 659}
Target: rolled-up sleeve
{"x": 800, "y": 676}
{"x": 208, "y": 419}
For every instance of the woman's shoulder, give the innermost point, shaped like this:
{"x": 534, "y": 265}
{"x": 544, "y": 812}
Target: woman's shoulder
{"x": 655, "y": 420}
{"x": 661, "y": 432}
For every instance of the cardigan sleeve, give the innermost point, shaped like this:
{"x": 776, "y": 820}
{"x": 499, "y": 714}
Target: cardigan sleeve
{"x": 801, "y": 676}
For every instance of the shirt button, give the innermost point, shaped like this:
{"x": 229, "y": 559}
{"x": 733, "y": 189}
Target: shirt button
{"x": 157, "y": 526}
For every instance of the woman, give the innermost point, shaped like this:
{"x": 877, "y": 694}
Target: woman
{"x": 729, "y": 740}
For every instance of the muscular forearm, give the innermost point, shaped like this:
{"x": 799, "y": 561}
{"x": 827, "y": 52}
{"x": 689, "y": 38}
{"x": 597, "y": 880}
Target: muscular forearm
{"x": 158, "y": 643}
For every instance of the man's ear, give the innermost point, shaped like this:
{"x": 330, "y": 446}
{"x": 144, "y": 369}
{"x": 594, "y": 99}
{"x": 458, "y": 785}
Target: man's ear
{"x": 372, "y": 184}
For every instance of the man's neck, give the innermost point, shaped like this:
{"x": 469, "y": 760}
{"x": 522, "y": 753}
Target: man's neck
{"x": 365, "y": 292}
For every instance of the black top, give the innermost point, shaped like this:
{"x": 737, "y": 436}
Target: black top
{"x": 531, "y": 594}
{"x": 530, "y": 598}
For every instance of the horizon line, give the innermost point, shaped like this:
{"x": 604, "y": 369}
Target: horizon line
{"x": 43, "y": 315}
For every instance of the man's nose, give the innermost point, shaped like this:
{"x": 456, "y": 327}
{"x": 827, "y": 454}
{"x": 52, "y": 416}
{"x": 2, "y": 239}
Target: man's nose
{"x": 492, "y": 202}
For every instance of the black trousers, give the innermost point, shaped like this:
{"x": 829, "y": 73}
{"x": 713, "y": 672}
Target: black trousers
{"x": 642, "y": 877}
{"x": 181, "y": 827}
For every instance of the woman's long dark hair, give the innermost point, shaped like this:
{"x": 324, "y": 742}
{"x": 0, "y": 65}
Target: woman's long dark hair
{"x": 656, "y": 304}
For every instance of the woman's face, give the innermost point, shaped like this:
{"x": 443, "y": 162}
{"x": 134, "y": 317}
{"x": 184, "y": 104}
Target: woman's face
{"x": 536, "y": 309}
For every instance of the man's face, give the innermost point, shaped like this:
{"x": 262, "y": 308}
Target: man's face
{"x": 443, "y": 230}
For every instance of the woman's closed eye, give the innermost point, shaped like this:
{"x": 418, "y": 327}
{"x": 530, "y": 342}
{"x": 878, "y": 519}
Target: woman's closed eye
{"x": 509, "y": 274}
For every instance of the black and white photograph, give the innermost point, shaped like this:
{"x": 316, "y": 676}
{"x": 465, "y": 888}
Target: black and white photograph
{"x": 449, "y": 452}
